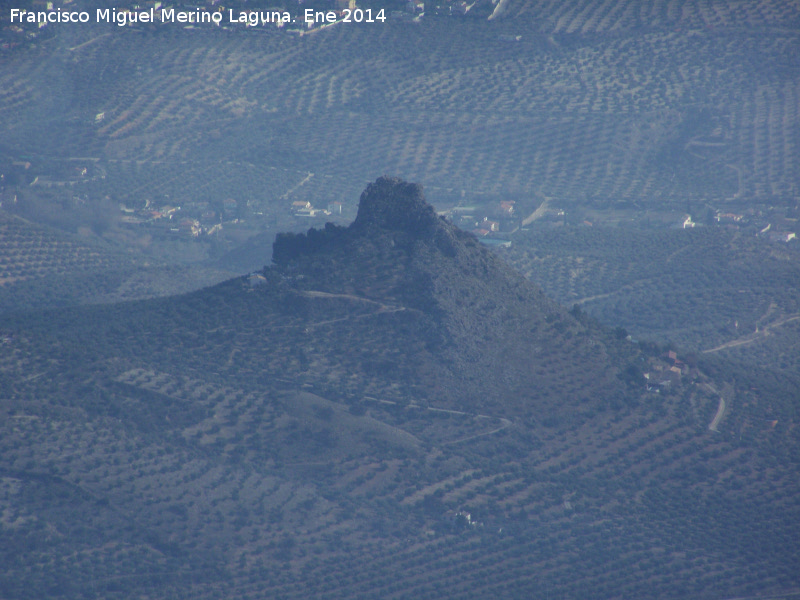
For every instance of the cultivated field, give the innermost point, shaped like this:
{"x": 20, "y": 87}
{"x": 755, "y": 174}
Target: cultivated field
{"x": 593, "y": 103}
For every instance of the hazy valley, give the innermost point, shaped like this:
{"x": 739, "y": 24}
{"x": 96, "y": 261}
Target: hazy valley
{"x": 569, "y": 369}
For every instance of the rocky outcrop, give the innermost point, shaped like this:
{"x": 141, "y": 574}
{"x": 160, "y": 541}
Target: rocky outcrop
{"x": 395, "y": 205}
{"x": 389, "y": 209}
{"x": 490, "y": 336}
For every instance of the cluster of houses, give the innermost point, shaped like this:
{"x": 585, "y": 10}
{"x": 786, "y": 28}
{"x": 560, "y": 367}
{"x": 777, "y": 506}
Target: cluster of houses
{"x": 772, "y": 226}
{"x": 464, "y": 519}
{"x": 304, "y": 209}
{"x": 191, "y": 220}
{"x": 663, "y": 373}
{"x": 777, "y": 236}
{"x": 486, "y": 220}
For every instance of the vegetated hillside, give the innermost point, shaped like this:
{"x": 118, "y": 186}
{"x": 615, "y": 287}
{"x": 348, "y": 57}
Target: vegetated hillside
{"x": 391, "y": 412}
{"x": 699, "y": 288}
{"x": 491, "y": 339}
{"x": 729, "y": 298}
{"x": 45, "y": 268}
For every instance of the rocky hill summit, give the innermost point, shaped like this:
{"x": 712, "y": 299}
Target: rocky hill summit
{"x": 389, "y": 209}
{"x": 491, "y": 337}
{"x": 391, "y": 203}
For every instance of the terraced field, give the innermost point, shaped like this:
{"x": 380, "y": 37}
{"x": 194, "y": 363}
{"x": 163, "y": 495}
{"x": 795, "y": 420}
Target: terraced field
{"x": 697, "y": 288}
{"x": 238, "y": 502}
{"x": 323, "y": 433}
{"x": 587, "y": 16}
{"x": 207, "y": 451}
{"x": 41, "y": 267}
{"x": 29, "y": 252}
{"x": 596, "y": 102}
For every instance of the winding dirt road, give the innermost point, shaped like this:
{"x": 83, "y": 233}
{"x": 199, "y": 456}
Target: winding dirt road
{"x": 749, "y": 339}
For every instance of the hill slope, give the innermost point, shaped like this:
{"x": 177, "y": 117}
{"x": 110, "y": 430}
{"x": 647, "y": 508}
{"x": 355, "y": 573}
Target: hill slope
{"x": 491, "y": 338}
{"x": 45, "y": 268}
{"x": 374, "y": 419}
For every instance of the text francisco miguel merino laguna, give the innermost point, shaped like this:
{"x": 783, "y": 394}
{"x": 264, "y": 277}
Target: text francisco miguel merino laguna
{"x": 170, "y": 15}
